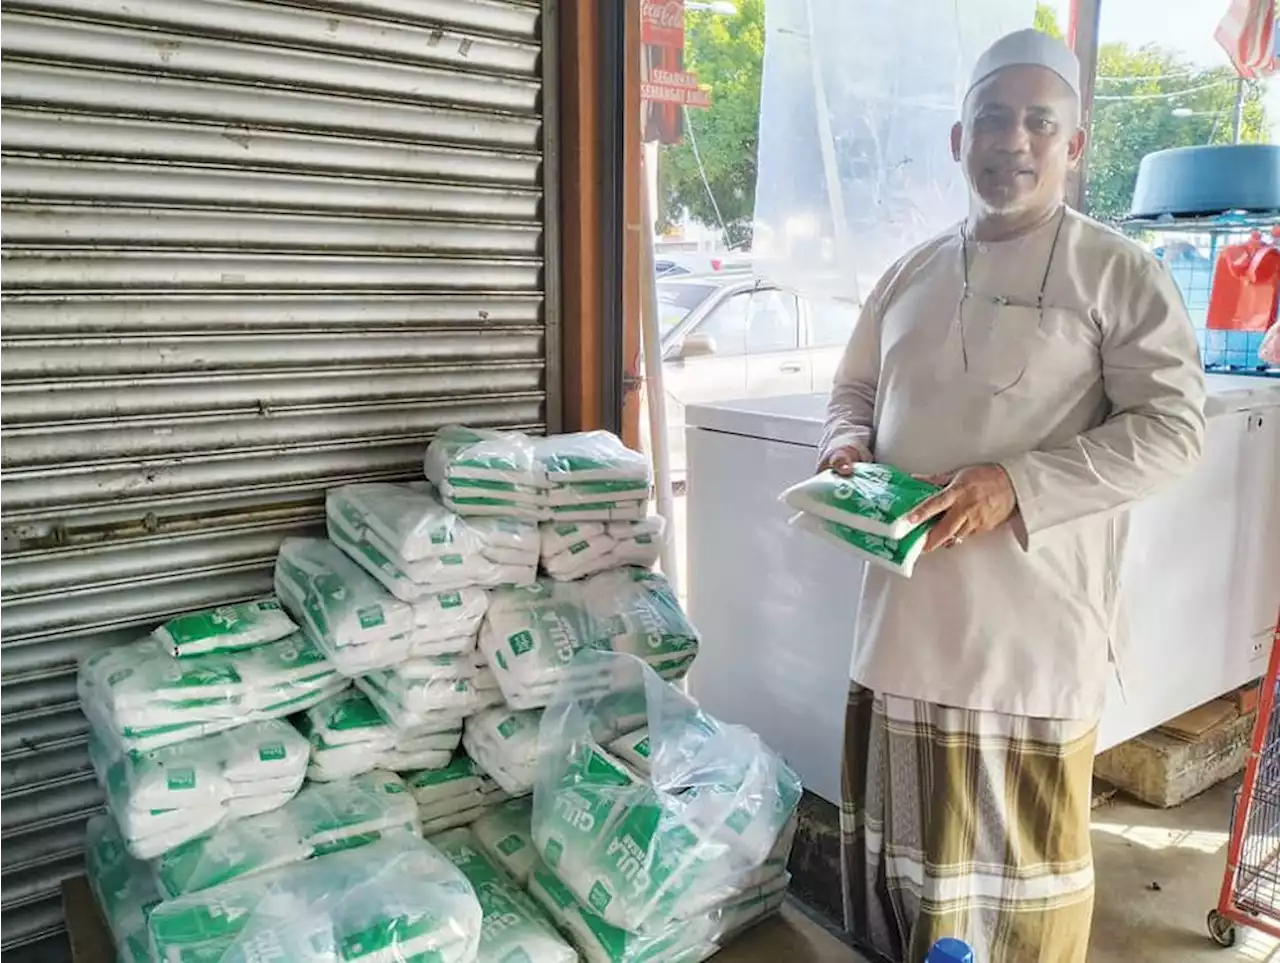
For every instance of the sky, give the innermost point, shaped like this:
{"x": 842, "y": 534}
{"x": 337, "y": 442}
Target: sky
{"x": 1184, "y": 25}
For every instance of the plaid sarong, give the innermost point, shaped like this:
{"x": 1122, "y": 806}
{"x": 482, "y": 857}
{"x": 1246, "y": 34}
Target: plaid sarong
{"x": 964, "y": 823}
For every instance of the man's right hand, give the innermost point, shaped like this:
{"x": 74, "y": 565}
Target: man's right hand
{"x": 841, "y": 460}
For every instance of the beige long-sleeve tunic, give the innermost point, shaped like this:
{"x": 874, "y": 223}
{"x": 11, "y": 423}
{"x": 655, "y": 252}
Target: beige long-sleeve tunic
{"x": 1090, "y": 405}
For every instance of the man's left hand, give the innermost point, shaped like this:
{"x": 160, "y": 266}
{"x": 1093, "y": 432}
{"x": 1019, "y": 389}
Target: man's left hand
{"x": 973, "y": 501}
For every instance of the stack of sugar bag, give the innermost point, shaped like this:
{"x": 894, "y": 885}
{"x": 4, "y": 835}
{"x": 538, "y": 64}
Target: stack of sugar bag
{"x": 456, "y": 795}
{"x": 421, "y": 693}
{"x": 504, "y": 743}
{"x": 531, "y": 635}
{"x": 575, "y": 550}
{"x": 486, "y": 474}
{"x": 322, "y": 818}
{"x": 181, "y": 744}
{"x": 123, "y": 888}
{"x": 141, "y": 697}
{"x": 590, "y": 476}
{"x": 515, "y": 930}
{"x": 505, "y": 833}
{"x": 416, "y": 547}
{"x": 704, "y": 826}
{"x": 163, "y": 797}
{"x": 356, "y": 623}
{"x": 349, "y": 736}
{"x": 687, "y": 940}
{"x": 396, "y": 899}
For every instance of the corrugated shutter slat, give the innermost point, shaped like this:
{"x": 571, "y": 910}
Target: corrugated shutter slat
{"x": 252, "y": 250}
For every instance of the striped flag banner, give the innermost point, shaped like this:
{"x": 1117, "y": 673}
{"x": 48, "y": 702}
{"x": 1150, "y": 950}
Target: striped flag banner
{"x": 1248, "y": 34}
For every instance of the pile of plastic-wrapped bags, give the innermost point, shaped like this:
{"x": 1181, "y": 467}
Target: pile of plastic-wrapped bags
{"x": 364, "y": 766}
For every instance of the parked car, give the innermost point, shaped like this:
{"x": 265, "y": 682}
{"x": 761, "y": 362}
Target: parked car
{"x": 684, "y": 265}
{"x": 731, "y": 337}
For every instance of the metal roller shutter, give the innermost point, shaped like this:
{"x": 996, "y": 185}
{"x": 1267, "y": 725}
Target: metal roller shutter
{"x": 251, "y": 250}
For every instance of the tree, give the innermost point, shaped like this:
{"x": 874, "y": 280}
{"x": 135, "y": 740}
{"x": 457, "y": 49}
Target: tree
{"x": 1148, "y": 99}
{"x": 727, "y": 54}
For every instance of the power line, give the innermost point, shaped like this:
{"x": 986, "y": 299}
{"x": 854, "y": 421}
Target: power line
{"x": 1166, "y": 95}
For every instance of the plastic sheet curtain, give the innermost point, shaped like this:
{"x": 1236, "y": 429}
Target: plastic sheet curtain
{"x": 857, "y": 103}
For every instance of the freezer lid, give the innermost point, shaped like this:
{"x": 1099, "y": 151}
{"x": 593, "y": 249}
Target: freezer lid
{"x": 798, "y": 419}
{"x": 794, "y": 419}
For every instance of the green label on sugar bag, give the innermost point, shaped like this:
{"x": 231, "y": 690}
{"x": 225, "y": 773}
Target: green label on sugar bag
{"x": 552, "y": 852}
{"x": 459, "y": 768}
{"x": 641, "y": 748}
{"x": 510, "y": 845}
{"x": 599, "y": 898}
{"x": 272, "y": 752}
{"x": 579, "y": 547}
{"x": 370, "y": 616}
{"x": 350, "y": 710}
{"x": 508, "y": 727}
{"x": 450, "y": 600}
{"x": 521, "y": 643}
{"x": 565, "y": 530}
{"x": 180, "y": 778}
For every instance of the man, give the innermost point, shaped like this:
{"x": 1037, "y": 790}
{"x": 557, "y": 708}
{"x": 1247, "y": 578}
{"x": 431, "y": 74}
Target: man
{"x": 1043, "y": 369}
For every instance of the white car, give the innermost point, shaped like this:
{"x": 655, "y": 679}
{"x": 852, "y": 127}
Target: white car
{"x": 729, "y": 338}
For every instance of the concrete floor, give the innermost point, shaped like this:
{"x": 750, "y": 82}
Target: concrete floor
{"x": 1158, "y": 875}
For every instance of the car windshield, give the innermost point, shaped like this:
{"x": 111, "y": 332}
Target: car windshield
{"x": 676, "y": 301}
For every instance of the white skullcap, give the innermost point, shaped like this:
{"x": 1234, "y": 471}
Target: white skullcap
{"x": 1028, "y": 48}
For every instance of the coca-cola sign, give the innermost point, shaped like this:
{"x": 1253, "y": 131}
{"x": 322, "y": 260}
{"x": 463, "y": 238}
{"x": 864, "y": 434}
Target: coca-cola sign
{"x": 662, "y": 23}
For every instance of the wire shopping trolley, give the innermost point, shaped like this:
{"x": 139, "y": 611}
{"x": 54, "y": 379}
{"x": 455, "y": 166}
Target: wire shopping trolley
{"x": 1250, "y": 894}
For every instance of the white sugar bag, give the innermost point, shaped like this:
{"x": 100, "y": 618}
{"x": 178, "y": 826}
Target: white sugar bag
{"x": 446, "y": 695}
{"x": 461, "y": 777}
{"x": 505, "y": 745}
{"x": 448, "y": 615}
{"x": 143, "y": 684}
{"x": 406, "y": 517}
{"x": 642, "y": 551}
{"x": 576, "y": 554}
{"x": 122, "y": 886}
{"x": 395, "y": 899}
{"x": 320, "y": 819}
{"x": 597, "y": 493}
{"x": 515, "y": 930}
{"x": 531, "y": 635}
{"x": 710, "y": 810}
{"x": 354, "y": 620}
{"x": 467, "y": 500}
{"x": 600, "y": 942}
{"x": 452, "y": 702}
{"x": 589, "y": 456}
{"x": 654, "y": 526}
{"x": 349, "y": 736}
{"x": 271, "y": 756}
{"x": 227, "y": 628}
{"x": 458, "y": 452}
{"x": 425, "y": 648}
{"x": 557, "y": 538}
{"x": 505, "y": 833}
{"x": 619, "y": 511}
{"x": 633, "y": 749}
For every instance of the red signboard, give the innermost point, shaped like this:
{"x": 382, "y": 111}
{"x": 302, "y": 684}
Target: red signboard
{"x": 662, "y": 23}
{"x": 671, "y": 94}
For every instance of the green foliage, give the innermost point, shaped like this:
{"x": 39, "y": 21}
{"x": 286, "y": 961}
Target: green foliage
{"x": 727, "y": 54}
{"x": 1147, "y": 81}
{"x": 1124, "y": 131}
